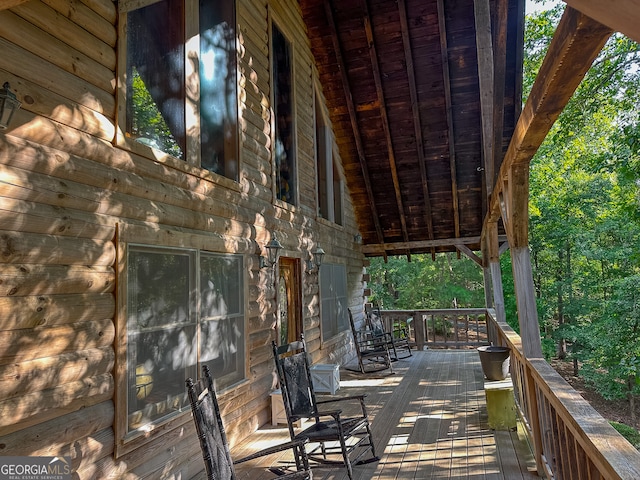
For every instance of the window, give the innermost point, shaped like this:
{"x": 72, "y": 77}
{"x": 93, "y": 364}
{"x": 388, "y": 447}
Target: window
{"x": 329, "y": 181}
{"x": 284, "y": 150}
{"x": 188, "y": 112}
{"x": 333, "y": 300}
{"x": 184, "y": 308}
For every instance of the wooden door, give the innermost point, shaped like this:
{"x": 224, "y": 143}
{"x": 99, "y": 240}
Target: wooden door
{"x": 289, "y": 324}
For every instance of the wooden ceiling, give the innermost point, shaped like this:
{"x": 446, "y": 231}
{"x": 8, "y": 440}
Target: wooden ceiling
{"x": 411, "y": 85}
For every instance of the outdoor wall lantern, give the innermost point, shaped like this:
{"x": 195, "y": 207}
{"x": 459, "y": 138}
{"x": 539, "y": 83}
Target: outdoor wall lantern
{"x": 318, "y": 257}
{"x": 357, "y": 238}
{"x": 273, "y": 251}
{"x": 9, "y": 105}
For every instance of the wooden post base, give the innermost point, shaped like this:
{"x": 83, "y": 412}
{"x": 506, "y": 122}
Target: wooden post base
{"x": 501, "y": 404}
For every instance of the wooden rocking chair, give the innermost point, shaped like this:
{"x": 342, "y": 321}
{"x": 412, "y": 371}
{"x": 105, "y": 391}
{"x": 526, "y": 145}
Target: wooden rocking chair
{"x": 398, "y": 341}
{"x": 372, "y": 350}
{"x": 341, "y": 440}
{"x": 213, "y": 439}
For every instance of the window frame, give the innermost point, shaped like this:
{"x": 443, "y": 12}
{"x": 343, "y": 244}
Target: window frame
{"x": 192, "y": 162}
{"x": 162, "y": 241}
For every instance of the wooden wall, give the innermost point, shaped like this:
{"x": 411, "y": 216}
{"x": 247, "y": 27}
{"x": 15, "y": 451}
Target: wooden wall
{"x": 65, "y": 191}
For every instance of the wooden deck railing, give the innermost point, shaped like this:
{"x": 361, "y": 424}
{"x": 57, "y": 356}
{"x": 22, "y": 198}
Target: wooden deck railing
{"x": 444, "y": 328}
{"x": 569, "y": 438}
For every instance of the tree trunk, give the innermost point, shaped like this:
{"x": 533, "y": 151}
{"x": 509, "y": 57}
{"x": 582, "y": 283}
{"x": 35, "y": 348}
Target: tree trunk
{"x": 631, "y": 380}
{"x": 561, "y": 349}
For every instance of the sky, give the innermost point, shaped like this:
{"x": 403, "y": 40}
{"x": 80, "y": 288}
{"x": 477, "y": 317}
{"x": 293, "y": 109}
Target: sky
{"x": 532, "y": 6}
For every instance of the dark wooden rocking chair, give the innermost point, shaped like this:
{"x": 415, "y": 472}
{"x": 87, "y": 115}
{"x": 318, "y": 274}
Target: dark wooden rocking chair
{"x": 213, "y": 439}
{"x": 341, "y": 440}
{"x": 372, "y": 350}
{"x": 398, "y": 341}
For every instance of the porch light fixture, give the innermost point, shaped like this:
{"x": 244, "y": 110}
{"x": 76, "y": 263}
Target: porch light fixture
{"x": 273, "y": 251}
{"x": 357, "y": 238}
{"x": 9, "y": 104}
{"x": 318, "y": 257}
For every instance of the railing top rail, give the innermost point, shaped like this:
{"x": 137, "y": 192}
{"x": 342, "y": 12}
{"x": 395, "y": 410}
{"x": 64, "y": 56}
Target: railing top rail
{"x": 438, "y": 311}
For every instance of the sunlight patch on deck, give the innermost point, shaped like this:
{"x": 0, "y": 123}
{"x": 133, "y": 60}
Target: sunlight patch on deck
{"x": 366, "y": 382}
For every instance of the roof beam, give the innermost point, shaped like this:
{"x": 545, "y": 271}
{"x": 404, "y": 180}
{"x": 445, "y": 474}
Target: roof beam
{"x": 575, "y": 45}
{"x": 6, "y": 4}
{"x": 415, "y": 111}
{"x": 401, "y": 247}
{"x": 385, "y": 119}
{"x": 447, "y": 95}
{"x": 500, "y": 20}
{"x": 352, "y": 116}
{"x": 484, "y": 52}
{"x": 620, "y": 15}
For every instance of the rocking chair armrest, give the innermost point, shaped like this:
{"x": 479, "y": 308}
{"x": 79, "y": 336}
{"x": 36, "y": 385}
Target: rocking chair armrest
{"x": 329, "y": 413}
{"x": 340, "y": 399}
{"x": 299, "y": 443}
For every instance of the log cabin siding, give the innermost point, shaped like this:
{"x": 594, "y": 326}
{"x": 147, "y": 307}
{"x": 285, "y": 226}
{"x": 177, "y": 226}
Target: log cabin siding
{"x": 68, "y": 194}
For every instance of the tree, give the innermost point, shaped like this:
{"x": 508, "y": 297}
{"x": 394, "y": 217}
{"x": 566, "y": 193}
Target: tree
{"x": 584, "y": 221}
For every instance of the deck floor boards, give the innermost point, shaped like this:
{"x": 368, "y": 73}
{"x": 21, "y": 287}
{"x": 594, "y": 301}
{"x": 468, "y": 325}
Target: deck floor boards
{"x": 429, "y": 421}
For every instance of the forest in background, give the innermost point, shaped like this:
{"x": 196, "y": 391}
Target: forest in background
{"x": 584, "y": 214}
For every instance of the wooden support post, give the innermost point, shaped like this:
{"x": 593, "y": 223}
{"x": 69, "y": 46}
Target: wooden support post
{"x": 418, "y": 320}
{"x": 493, "y": 249}
{"x": 525, "y": 298}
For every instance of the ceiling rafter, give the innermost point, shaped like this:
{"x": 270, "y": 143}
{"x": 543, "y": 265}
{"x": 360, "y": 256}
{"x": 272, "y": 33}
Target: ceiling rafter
{"x": 447, "y": 94}
{"x": 328, "y": 7}
{"x": 417, "y": 125}
{"x": 385, "y": 119}
{"x": 6, "y": 4}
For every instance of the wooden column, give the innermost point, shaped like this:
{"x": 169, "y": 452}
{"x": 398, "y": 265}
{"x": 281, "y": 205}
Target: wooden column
{"x": 515, "y": 214}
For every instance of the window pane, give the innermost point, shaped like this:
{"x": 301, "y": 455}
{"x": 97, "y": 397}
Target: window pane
{"x": 321, "y": 161}
{"x": 283, "y": 110}
{"x": 155, "y": 76}
{"x": 222, "y": 317}
{"x": 161, "y": 348}
{"x": 340, "y": 279}
{"x": 327, "y": 303}
{"x": 333, "y": 298}
{"x": 218, "y": 88}
{"x": 337, "y": 195}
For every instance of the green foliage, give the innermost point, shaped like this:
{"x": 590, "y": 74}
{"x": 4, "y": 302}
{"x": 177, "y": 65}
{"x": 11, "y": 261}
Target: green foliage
{"x": 630, "y": 433}
{"x": 584, "y": 216}
{"x": 149, "y": 126}
{"x": 423, "y": 283}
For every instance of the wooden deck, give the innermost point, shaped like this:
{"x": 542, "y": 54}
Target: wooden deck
{"x": 429, "y": 420}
